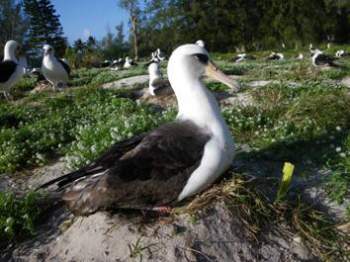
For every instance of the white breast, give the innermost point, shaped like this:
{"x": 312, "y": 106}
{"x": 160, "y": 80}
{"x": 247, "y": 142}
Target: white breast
{"x": 54, "y": 71}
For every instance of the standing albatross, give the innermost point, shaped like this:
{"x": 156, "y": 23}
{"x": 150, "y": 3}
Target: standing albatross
{"x": 155, "y": 75}
{"x": 55, "y": 70}
{"x": 168, "y": 164}
{"x": 11, "y": 70}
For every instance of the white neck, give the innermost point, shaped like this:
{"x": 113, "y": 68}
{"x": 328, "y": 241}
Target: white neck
{"x": 197, "y": 104}
{"x": 51, "y": 54}
{"x": 9, "y": 54}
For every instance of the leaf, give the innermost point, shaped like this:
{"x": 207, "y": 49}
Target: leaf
{"x": 288, "y": 170}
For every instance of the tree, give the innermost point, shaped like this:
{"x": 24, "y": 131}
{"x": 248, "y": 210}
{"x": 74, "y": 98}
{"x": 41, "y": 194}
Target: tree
{"x": 113, "y": 45}
{"x": 226, "y": 25}
{"x": 45, "y": 26}
{"x": 79, "y": 46}
{"x": 13, "y": 22}
{"x": 91, "y": 43}
{"x": 132, "y": 6}
{"x": 120, "y": 33}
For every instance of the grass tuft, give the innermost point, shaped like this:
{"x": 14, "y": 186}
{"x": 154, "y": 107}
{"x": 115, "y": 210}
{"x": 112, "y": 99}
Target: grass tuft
{"x": 249, "y": 200}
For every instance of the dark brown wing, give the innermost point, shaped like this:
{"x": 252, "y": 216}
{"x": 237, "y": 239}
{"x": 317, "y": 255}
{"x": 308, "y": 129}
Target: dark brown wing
{"x": 324, "y": 59}
{"x": 104, "y": 162}
{"x": 152, "y": 173}
{"x": 7, "y": 68}
{"x": 65, "y": 66}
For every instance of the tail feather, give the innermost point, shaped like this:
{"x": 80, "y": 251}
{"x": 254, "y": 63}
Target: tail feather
{"x": 335, "y": 64}
{"x": 87, "y": 198}
{"x": 71, "y": 177}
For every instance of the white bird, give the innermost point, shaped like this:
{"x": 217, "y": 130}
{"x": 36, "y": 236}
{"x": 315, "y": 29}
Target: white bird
{"x": 300, "y": 56}
{"x": 242, "y": 57}
{"x": 173, "y": 162}
{"x": 117, "y": 64}
{"x": 276, "y": 56}
{"x": 54, "y": 69}
{"x": 319, "y": 59}
{"x": 127, "y": 63}
{"x": 106, "y": 63}
{"x": 11, "y": 70}
{"x": 341, "y": 53}
{"x": 201, "y": 43}
{"x": 160, "y": 55}
{"x": 155, "y": 74}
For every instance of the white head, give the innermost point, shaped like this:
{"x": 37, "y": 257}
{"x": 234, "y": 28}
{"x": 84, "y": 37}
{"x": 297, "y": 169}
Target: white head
{"x": 200, "y": 43}
{"x": 48, "y": 50}
{"x": 10, "y": 50}
{"x": 191, "y": 62}
{"x": 341, "y": 53}
{"x": 280, "y": 55}
{"x": 317, "y": 52}
{"x": 153, "y": 55}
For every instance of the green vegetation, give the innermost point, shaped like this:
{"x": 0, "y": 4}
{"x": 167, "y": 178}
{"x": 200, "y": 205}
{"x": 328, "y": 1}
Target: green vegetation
{"x": 17, "y": 216}
{"x": 80, "y": 122}
{"x": 339, "y": 183}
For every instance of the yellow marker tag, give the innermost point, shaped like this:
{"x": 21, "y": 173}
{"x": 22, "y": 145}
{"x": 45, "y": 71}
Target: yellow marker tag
{"x": 288, "y": 170}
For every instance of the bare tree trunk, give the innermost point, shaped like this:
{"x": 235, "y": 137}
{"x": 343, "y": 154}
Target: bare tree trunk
{"x": 135, "y": 36}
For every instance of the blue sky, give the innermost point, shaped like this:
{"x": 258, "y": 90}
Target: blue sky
{"x": 81, "y": 18}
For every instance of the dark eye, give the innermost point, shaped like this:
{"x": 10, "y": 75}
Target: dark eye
{"x": 202, "y": 58}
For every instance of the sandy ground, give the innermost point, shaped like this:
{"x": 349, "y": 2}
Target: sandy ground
{"x": 214, "y": 235}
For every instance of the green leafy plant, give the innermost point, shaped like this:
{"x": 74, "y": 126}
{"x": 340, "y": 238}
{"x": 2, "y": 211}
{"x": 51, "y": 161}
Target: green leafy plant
{"x": 18, "y": 216}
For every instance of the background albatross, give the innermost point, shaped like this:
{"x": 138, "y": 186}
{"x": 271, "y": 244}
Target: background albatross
{"x": 11, "y": 70}
{"x": 55, "y": 70}
{"x": 168, "y": 164}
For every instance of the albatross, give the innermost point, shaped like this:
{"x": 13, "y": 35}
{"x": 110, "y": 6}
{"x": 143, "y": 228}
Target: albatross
{"x": 160, "y": 55}
{"x": 319, "y": 59}
{"x": 154, "y": 74}
{"x": 11, "y": 70}
{"x": 300, "y": 56}
{"x": 55, "y": 70}
{"x": 200, "y": 43}
{"x": 341, "y": 53}
{"x": 242, "y": 57}
{"x": 275, "y": 56}
{"x": 164, "y": 166}
{"x": 128, "y": 63}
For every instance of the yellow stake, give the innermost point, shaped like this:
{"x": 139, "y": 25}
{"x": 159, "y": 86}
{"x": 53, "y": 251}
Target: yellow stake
{"x": 288, "y": 170}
